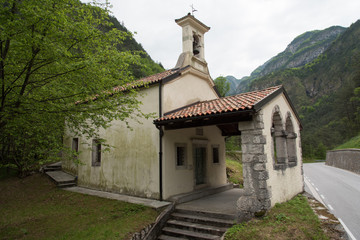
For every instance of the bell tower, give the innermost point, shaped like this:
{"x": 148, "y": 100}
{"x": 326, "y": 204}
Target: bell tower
{"x": 192, "y": 43}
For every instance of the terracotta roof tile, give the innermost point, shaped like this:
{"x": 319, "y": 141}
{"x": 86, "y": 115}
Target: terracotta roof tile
{"x": 240, "y": 102}
{"x": 155, "y": 78}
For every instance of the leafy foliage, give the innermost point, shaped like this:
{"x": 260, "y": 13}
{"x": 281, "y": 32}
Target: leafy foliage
{"x": 222, "y": 85}
{"x": 55, "y": 53}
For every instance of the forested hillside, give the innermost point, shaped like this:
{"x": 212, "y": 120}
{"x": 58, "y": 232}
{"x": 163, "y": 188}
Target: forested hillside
{"x": 302, "y": 50}
{"x": 325, "y": 92}
{"x": 146, "y": 66}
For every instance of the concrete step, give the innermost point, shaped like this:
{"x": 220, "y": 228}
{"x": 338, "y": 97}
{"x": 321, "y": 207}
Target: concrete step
{"x": 203, "y": 220}
{"x": 231, "y": 217}
{"x": 61, "y": 178}
{"x": 196, "y": 227}
{"x": 188, "y": 234}
{"x": 167, "y": 237}
{"x": 53, "y": 167}
{"x": 186, "y": 197}
{"x": 48, "y": 169}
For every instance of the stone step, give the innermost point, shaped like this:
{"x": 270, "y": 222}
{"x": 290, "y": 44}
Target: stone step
{"x": 196, "y": 227}
{"x": 203, "y": 220}
{"x": 167, "y": 237}
{"x": 188, "y": 234}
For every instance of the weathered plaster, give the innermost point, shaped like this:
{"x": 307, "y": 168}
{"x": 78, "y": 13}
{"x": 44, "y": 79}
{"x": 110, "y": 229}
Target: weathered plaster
{"x": 192, "y": 88}
{"x": 284, "y": 183}
{"x": 265, "y": 184}
{"x": 177, "y": 181}
{"x": 131, "y": 166}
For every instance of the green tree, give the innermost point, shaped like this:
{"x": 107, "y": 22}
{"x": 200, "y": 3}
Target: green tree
{"x": 55, "y": 53}
{"x": 222, "y": 85}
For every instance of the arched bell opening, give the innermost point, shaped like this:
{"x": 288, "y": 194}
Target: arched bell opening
{"x": 196, "y": 44}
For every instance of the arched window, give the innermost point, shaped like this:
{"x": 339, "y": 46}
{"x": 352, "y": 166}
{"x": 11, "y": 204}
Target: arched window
{"x": 291, "y": 141}
{"x": 279, "y": 149}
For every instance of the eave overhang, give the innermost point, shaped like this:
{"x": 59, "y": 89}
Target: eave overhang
{"x": 220, "y": 118}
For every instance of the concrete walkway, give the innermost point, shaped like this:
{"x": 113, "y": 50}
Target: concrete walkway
{"x": 223, "y": 202}
{"x": 136, "y": 200}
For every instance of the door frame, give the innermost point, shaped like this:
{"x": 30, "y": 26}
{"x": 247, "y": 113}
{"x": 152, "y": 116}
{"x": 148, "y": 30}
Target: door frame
{"x": 200, "y": 143}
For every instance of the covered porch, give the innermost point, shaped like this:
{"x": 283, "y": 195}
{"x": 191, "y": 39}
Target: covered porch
{"x": 229, "y": 116}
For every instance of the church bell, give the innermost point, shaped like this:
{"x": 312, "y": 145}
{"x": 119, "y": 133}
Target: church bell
{"x": 196, "y": 50}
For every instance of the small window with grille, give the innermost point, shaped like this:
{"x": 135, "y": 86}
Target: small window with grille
{"x": 96, "y": 152}
{"x": 180, "y": 151}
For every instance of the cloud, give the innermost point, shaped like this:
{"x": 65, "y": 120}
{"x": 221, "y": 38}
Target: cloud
{"x": 244, "y": 33}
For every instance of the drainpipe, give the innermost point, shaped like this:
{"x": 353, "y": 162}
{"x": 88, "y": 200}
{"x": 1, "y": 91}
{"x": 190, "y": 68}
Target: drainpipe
{"x": 161, "y": 134}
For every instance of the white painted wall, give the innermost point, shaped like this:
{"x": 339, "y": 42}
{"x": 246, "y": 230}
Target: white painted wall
{"x": 131, "y": 166}
{"x": 186, "y": 90}
{"x": 182, "y": 180}
{"x": 284, "y": 184}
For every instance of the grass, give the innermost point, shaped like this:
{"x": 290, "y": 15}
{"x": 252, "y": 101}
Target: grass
{"x": 291, "y": 220}
{"x": 33, "y": 208}
{"x": 352, "y": 143}
{"x": 234, "y": 169}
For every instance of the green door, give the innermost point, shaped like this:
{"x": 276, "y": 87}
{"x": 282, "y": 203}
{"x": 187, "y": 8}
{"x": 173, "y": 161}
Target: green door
{"x": 200, "y": 165}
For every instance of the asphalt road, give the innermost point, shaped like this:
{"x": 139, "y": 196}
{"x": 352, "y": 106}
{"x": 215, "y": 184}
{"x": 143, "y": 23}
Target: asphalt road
{"x": 337, "y": 189}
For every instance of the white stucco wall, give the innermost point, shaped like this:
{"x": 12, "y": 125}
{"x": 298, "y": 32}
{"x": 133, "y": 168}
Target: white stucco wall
{"x": 131, "y": 166}
{"x": 181, "y": 180}
{"x": 284, "y": 184}
{"x": 186, "y": 90}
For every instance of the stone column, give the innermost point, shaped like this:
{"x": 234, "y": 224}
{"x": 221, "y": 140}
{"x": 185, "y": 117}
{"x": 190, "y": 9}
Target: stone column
{"x": 256, "y": 196}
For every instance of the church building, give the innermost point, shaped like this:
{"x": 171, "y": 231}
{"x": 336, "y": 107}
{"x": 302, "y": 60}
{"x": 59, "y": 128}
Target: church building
{"x": 182, "y": 150}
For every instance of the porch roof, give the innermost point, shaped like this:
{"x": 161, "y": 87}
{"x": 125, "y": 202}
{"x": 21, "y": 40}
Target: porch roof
{"x": 236, "y": 103}
{"x": 224, "y": 112}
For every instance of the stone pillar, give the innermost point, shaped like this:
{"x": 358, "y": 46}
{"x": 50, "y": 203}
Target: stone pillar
{"x": 256, "y": 197}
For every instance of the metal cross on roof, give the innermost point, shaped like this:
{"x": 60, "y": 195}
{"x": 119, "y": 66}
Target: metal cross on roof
{"x": 192, "y": 9}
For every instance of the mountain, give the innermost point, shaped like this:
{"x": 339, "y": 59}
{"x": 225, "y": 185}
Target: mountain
{"x": 146, "y": 66}
{"x": 325, "y": 92}
{"x": 302, "y": 50}
{"x": 234, "y": 83}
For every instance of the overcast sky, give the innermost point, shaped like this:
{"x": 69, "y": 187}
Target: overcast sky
{"x": 244, "y": 33}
